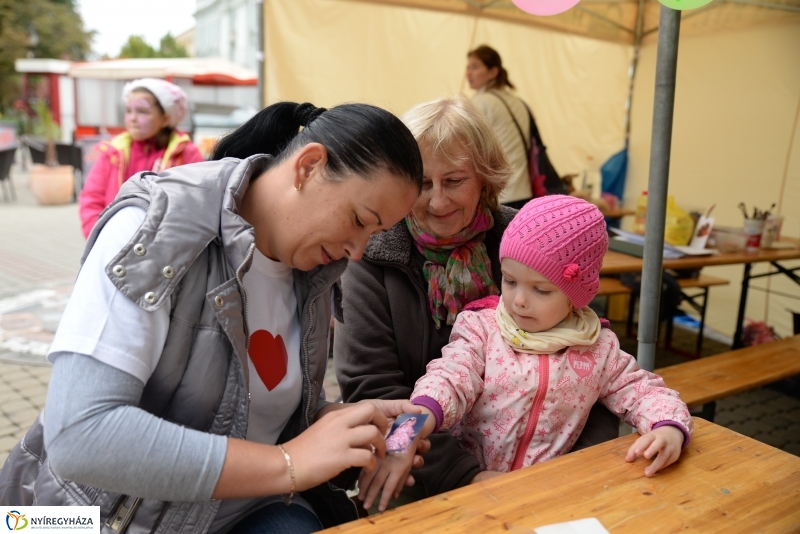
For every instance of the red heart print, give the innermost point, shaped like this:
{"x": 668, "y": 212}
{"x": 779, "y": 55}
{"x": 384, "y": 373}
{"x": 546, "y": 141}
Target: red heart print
{"x": 269, "y": 357}
{"x": 582, "y": 364}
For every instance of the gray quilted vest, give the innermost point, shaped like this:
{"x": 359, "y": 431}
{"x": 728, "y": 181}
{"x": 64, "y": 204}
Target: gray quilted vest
{"x": 191, "y": 250}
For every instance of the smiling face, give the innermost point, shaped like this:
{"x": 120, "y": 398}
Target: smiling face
{"x": 478, "y": 75}
{"x": 143, "y": 118}
{"x": 534, "y": 302}
{"x": 450, "y": 193}
{"x": 310, "y": 220}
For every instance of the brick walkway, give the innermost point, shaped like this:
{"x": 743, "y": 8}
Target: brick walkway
{"x": 40, "y": 250}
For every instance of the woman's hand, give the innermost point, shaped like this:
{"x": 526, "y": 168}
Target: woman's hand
{"x": 391, "y": 409}
{"x": 664, "y": 443}
{"x": 340, "y": 439}
{"x": 387, "y": 477}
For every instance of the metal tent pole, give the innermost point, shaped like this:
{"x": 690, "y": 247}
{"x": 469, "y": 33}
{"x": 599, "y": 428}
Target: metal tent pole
{"x": 260, "y": 53}
{"x": 666, "y": 66}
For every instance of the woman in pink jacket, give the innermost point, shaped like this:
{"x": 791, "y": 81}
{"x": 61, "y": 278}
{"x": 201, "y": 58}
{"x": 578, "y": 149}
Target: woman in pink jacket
{"x": 521, "y": 372}
{"x": 153, "y": 109}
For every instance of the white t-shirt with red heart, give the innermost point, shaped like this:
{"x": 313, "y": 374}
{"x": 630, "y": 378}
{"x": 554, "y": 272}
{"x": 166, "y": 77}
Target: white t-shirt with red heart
{"x": 101, "y": 322}
{"x": 276, "y": 381}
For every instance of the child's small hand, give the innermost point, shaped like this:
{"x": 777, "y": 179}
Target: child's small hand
{"x": 665, "y": 441}
{"x": 391, "y": 474}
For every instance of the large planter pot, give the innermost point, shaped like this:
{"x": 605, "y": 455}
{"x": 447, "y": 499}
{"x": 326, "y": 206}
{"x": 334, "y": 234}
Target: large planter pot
{"x": 52, "y": 185}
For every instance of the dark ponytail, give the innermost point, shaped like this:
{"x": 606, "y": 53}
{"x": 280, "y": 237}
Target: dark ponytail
{"x": 489, "y": 57}
{"x": 359, "y": 139}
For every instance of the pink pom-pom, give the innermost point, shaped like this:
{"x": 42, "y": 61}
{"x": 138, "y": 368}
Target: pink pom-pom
{"x": 572, "y": 271}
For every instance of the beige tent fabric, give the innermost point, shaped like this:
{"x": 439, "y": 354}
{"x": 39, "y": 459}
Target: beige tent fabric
{"x": 333, "y": 51}
{"x": 738, "y": 92}
{"x": 736, "y": 103}
{"x": 615, "y": 20}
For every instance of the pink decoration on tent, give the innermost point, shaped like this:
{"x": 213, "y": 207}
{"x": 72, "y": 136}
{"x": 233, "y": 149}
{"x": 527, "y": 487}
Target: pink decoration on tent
{"x": 544, "y": 8}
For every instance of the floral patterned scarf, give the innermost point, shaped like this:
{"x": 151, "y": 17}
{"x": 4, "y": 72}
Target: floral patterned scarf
{"x": 457, "y": 268}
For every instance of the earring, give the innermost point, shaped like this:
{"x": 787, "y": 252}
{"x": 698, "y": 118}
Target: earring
{"x": 299, "y": 186}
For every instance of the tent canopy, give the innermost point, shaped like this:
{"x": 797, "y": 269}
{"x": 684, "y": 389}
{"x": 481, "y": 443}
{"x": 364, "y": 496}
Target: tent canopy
{"x": 616, "y": 20}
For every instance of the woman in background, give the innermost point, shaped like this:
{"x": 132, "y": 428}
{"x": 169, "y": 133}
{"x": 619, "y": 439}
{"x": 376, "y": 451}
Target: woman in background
{"x": 151, "y": 142}
{"x": 487, "y": 76}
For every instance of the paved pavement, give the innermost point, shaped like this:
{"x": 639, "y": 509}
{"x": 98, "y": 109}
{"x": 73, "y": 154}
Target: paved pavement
{"x": 40, "y": 250}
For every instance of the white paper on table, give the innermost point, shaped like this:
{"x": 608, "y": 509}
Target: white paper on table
{"x": 701, "y": 232}
{"x": 582, "y": 526}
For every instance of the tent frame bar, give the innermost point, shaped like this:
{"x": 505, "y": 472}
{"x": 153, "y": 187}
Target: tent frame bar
{"x": 604, "y": 19}
{"x": 767, "y": 5}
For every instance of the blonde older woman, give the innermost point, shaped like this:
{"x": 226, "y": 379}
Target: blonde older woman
{"x": 401, "y": 301}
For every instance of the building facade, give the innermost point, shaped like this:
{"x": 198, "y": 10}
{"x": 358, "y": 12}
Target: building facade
{"x": 228, "y": 29}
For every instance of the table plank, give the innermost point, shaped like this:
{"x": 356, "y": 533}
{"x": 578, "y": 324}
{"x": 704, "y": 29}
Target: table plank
{"x": 725, "y": 482}
{"x": 618, "y": 263}
{"x": 715, "y": 377}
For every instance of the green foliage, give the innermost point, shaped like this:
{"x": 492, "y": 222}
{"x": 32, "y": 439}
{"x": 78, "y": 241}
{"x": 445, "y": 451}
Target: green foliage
{"x": 171, "y": 48}
{"x": 44, "y": 125}
{"x": 137, "y": 47}
{"x": 60, "y": 31}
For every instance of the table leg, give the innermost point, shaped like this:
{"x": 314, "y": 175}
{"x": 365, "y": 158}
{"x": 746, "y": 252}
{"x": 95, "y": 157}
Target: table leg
{"x": 738, "y": 341}
{"x": 701, "y": 330}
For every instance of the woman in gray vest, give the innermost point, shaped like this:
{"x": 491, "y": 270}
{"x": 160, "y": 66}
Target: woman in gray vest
{"x": 401, "y": 301}
{"x": 186, "y": 393}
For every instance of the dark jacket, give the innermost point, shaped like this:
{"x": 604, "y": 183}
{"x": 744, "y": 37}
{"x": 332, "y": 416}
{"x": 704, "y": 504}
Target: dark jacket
{"x": 382, "y": 347}
{"x": 201, "y": 380}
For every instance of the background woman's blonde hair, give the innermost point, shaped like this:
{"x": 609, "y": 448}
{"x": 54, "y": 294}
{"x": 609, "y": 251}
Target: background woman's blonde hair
{"x": 451, "y": 125}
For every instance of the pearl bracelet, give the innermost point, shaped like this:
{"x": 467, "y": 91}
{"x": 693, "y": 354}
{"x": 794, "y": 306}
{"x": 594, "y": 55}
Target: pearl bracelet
{"x": 291, "y": 475}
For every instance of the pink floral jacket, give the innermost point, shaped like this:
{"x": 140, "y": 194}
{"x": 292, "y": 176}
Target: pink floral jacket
{"x": 513, "y": 409}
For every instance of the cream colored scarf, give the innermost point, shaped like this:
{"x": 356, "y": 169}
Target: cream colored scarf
{"x": 582, "y": 327}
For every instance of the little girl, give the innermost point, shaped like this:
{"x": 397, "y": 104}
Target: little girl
{"x": 522, "y": 371}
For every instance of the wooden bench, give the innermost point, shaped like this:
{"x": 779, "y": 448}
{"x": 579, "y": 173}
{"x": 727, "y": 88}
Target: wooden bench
{"x": 612, "y": 286}
{"x": 703, "y": 381}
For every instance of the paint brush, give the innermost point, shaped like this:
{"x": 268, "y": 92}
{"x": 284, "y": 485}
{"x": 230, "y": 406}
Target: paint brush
{"x": 744, "y": 209}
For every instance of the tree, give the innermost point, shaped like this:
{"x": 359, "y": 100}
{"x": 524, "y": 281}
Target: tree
{"x": 171, "y": 48}
{"x": 60, "y": 31}
{"x": 137, "y": 47}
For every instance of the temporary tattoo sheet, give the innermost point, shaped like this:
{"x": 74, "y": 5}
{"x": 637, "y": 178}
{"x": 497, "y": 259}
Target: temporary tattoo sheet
{"x": 404, "y": 430}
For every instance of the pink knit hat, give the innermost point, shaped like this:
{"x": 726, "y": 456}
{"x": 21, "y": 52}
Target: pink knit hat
{"x": 562, "y": 237}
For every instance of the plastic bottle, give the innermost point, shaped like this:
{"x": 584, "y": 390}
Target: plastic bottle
{"x": 641, "y": 214}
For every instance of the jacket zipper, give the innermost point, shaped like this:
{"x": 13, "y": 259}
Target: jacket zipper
{"x": 305, "y": 343}
{"x": 239, "y": 279}
{"x": 536, "y": 411}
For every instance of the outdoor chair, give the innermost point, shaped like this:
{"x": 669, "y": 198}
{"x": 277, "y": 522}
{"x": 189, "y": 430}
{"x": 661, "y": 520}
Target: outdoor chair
{"x": 6, "y": 160}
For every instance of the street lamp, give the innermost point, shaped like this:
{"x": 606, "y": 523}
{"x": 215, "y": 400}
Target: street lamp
{"x": 33, "y": 40}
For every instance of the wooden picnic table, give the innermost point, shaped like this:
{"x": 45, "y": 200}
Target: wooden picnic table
{"x": 724, "y": 482}
{"x": 619, "y": 263}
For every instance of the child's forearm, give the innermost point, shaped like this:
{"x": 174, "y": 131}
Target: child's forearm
{"x": 430, "y": 423}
